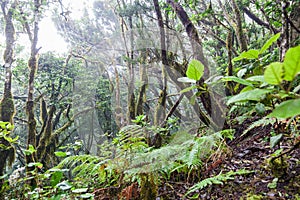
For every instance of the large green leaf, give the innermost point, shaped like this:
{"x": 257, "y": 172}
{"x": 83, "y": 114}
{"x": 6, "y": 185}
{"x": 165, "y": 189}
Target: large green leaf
{"x": 250, "y": 54}
{"x": 258, "y": 78}
{"x": 195, "y": 70}
{"x": 238, "y": 80}
{"x": 253, "y": 95}
{"x": 287, "y": 109}
{"x": 274, "y": 73}
{"x": 292, "y": 63}
{"x": 269, "y": 43}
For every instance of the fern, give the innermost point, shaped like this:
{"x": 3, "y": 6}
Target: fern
{"x": 201, "y": 147}
{"x": 260, "y": 123}
{"x": 83, "y": 166}
{"x": 186, "y": 150}
{"x": 219, "y": 180}
{"x": 130, "y": 139}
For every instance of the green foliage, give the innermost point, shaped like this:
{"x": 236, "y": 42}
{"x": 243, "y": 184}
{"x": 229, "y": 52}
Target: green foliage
{"x": 276, "y": 72}
{"x": 253, "y": 53}
{"x": 131, "y": 138}
{"x": 273, "y": 184}
{"x": 195, "y": 70}
{"x": 7, "y": 149}
{"x": 291, "y": 63}
{"x": 260, "y": 123}
{"x": 269, "y": 43}
{"x": 82, "y": 166}
{"x": 273, "y": 73}
{"x": 183, "y": 152}
{"x": 261, "y": 86}
{"x": 219, "y": 179}
{"x": 5, "y": 131}
{"x": 286, "y": 109}
{"x": 60, "y": 154}
{"x": 238, "y": 80}
{"x": 252, "y": 95}
{"x": 30, "y": 150}
{"x": 274, "y": 140}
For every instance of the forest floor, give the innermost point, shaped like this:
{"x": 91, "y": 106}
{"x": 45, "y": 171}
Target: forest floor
{"x": 251, "y": 152}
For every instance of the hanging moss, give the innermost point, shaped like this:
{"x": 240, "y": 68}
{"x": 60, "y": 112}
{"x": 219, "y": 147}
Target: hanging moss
{"x": 7, "y": 109}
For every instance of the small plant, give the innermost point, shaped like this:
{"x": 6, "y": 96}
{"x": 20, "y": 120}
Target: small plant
{"x": 220, "y": 179}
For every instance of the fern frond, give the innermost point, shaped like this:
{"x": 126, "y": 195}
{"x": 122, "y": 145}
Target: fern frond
{"x": 82, "y": 166}
{"x": 218, "y": 180}
{"x": 260, "y": 123}
{"x": 201, "y": 147}
{"x": 126, "y": 134}
{"x": 188, "y": 153}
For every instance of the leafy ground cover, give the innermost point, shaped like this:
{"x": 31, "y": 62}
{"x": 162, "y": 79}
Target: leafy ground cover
{"x": 251, "y": 152}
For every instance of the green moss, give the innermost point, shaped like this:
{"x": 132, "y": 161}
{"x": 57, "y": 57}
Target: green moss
{"x": 7, "y": 108}
{"x": 148, "y": 187}
{"x": 278, "y": 166}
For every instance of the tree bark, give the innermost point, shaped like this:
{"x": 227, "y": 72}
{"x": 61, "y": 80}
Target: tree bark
{"x": 32, "y": 66}
{"x": 7, "y": 107}
{"x": 209, "y": 99}
{"x": 285, "y": 30}
{"x": 239, "y": 27}
{"x": 160, "y": 109}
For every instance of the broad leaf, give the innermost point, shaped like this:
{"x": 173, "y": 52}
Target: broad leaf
{"x": 195, "y": 70}
{"x": 274, "y": 73}
{"x": 253, "y": 95}
{"x": 60, "y": 154}
{"x": 258, "y": 78}
{"x": 186, "y": 80}
{"x": 287, "y": 109}
{"x": 292, "y": 63}
{"x": 274, "y": 140}
{"x": 238, "y": 80}
{"x": 250, "y": 54}
{"x": 269, "y": 43}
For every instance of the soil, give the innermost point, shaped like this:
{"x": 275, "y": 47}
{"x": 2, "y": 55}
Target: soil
{"x": 251, "y": 152}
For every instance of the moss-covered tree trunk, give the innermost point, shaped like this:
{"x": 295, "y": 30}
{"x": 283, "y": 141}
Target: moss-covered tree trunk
{"x": 7, "y": 107}
{"x": 238, "y": 26}
{"x": 210, "y": 100}
{"x": 160, "y": 109}
{"x": 32, "y": 66}
{"x": 131, "y": 96}
{"x": 141, "y": 99}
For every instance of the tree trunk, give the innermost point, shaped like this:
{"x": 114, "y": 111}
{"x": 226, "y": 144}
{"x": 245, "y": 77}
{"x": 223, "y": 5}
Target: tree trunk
{"x": 32, "y": 66}
{"x": 142, "y": 93}
{"x": 7, "y": 107}
{"x": 285, "y": 43}
{"x": 239, "y": 27}
{"x": 131, "y": 96}
{"x": 160, "y": 109}
{"x": 209, "y": 99}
